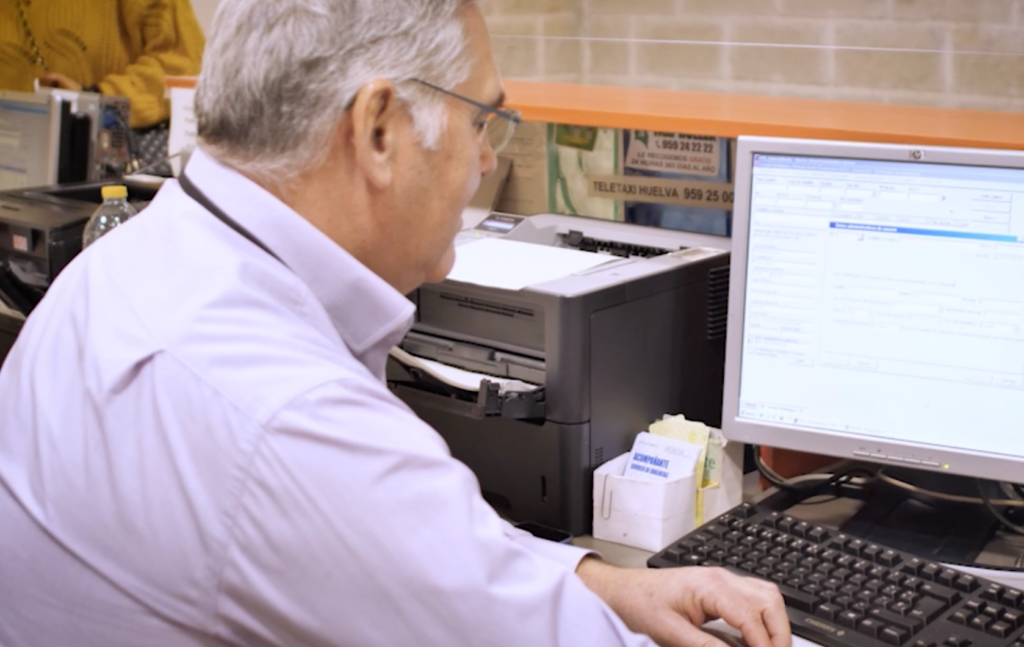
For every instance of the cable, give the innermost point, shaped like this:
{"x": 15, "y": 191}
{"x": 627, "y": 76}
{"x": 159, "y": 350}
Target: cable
{"x": 810, "y": 482}
{"x": 990, "y": 504}
{"x": 958, "y": 498}
{"x": 771, "y": 475}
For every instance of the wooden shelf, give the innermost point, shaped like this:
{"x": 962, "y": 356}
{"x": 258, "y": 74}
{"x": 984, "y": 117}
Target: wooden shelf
{"x": 732, "y": 115}
{"x": 728, "y": 115}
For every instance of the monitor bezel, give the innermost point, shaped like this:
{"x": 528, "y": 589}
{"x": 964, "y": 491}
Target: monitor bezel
{"x": 963, "y": 462}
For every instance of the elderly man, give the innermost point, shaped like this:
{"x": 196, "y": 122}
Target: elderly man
{"x": 197, "y": 446}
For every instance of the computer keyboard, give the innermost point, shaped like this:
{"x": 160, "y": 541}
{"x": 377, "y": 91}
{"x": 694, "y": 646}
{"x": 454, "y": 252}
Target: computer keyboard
{"x": 843, "y": 591}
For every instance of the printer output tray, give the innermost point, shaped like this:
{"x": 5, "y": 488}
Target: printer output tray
{"x": 489, "y": 399}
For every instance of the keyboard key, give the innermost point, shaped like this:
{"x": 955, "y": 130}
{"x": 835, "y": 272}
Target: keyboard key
{"x": 1011, "y": 598}
{"x": 929, "y": 571}
{"x": 848, "y": 618}
{"x": 929, "y": 608}
{"x": 856, "y": 546}
{"x": 974, "y": 606}
{"x": 745, "y": 510}
{"x": 673, "y": 554}
{"x": 862, "y": 566}
{"x": 803, "y": 600}
{"x": 944, "y": 593}
{"x": 946, "y": 576}
{"x": 907, "y": 596}
{"x": 827, "y": 611}
{"x": 844, "y": 601}
{"x": 894, "y": 635}
{"x": 992, "y": 592}
{"x": 1000, "y": 629}
{"x": 896, "y": 577}
{"x": 912, "y": 566}
{"x": 900, "y": 607}
{"x": 908, "y": 624}
{"x": 871, "y": 551}
{"x": 870, "y": 626}
{"x": 818, "y": 533}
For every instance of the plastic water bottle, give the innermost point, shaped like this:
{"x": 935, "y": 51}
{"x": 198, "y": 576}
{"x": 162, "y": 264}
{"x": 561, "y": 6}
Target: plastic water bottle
{"x": 114, "y": 211}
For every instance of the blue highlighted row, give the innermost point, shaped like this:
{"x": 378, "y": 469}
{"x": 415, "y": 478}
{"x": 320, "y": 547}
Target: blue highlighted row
{"x": 883, "y": 229}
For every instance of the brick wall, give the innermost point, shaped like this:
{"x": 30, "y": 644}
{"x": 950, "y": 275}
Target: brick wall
{"x": 948, "y": 53}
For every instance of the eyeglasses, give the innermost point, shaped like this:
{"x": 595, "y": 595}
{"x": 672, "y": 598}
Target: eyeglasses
{"x": 501, "y": 124}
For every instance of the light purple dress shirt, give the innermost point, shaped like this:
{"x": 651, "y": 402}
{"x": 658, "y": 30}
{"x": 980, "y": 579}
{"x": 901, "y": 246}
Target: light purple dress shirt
{"x": 197, "y": 447}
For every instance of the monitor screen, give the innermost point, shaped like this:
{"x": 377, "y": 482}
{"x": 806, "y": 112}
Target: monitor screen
{"x": 876, "y": 307}
{"x": 29, "y": 140}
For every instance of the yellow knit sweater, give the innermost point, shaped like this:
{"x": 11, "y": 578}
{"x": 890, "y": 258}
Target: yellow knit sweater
{"x": 124, "y": 47}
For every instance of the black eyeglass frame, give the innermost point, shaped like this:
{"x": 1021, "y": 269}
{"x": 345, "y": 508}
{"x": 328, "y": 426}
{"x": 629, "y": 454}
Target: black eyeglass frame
{"x": 513, "y": 116}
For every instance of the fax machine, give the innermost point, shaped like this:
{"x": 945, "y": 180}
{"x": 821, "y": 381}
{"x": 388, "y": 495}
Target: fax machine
{"x": 607, "y": 350}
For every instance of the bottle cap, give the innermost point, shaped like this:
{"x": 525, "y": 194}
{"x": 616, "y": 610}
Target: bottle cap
{"x": 114, "y": 191}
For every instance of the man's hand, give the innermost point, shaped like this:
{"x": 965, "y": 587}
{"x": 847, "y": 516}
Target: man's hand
{"x": 671, "y": 604}
{"x": 57, "y": 80}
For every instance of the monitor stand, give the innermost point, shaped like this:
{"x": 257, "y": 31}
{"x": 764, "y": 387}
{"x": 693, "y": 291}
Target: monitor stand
{"x": 925, "y": 525}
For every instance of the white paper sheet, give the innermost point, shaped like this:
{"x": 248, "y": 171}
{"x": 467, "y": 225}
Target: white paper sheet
{"x": 513, "y": 265}
{"x": 661, "y": 459}
{"x": 457, "y": 377}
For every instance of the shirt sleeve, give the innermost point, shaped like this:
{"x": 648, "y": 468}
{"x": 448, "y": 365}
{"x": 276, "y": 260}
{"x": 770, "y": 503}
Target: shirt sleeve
{"x": 166, "y": 39}
{"x": 564, "y": 554}
{"x": 356, "y": 526}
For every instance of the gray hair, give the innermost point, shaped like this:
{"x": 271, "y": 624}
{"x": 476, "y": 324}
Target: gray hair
{"x": 278, "y": 75}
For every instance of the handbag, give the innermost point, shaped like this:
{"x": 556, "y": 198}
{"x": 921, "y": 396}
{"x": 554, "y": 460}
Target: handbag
{"x": 150, "y": 149}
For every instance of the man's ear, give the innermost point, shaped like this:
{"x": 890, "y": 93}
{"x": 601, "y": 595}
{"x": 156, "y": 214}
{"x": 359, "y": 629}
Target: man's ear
{"x": 376, "y": 118}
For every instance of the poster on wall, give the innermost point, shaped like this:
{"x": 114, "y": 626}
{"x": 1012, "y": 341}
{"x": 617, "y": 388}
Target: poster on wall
{"x": 691, "y": 155}
{"x": 677, "y": 181}
{"x": 576, "y": 154}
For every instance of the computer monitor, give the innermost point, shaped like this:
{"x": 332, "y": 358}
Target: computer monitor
{"x": 876, "y": 307}
{"x": 58, "y": 136}
{"x": 30, "y": 135}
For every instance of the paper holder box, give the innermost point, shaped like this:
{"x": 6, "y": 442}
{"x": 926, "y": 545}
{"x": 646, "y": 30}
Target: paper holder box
{"x": 643, "y": 514}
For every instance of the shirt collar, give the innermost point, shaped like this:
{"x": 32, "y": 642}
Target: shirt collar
{"x": 369, "y": 314}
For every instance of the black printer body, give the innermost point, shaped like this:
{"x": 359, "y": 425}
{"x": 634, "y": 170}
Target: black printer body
{"x": 610, "y": 349}
{"x": 40, "y": 232}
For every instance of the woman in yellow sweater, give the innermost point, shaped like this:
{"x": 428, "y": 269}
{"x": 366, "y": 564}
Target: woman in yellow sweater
{"x": 117, "y": 47}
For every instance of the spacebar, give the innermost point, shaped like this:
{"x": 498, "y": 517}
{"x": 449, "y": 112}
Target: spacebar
{"x": 794, "y": 597}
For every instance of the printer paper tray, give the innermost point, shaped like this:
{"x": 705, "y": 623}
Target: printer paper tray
{"x": 514, "y": 406}
{"x": 418, "y": 387}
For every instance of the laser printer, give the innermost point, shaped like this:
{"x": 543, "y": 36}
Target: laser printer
{"x": 40, "y": 232}
{"x": 595, "y": 357}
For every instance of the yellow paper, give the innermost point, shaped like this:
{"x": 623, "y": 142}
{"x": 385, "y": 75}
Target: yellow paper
{"x": 696, "y": 433}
